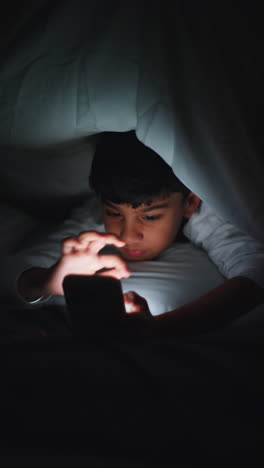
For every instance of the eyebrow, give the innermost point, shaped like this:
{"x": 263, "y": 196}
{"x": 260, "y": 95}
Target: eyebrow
{"x": 158, "y": 206}
{"x": 110, "y": 204}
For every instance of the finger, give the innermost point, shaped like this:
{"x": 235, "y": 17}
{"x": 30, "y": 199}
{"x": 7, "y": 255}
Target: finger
{"x": 69, "y": 245}
{"x": 113, "y": 261}
{"x": 132, "y": 308}
{"x": 112, "y": 274}
{"x": 135, "y": 303}
{"x": 85, "y": 238}
{"x": 116, "y": 264}
{"x": 94, "y": 247}
{"x": 133, "y": 297}
{"x": 73, "y": 244}
{"x": 129, "y": 297}
{"x": 131, "y": 304}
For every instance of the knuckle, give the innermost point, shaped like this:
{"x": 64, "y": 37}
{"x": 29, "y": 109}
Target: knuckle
{"x": 84, "y": 235}
{"x": 66, "y": 242}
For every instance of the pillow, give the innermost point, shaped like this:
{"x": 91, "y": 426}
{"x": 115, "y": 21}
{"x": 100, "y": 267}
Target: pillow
{"x": 180, "y": 275}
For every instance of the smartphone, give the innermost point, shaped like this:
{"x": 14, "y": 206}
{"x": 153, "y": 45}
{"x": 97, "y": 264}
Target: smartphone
{"x": 93, "y": 301}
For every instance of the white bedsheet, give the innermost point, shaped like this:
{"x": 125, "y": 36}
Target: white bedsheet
{"x": 87, "y": 67}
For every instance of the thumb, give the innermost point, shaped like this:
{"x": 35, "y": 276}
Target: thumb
{"x": 130, "y": 300}
{"x": 135, "y": 303}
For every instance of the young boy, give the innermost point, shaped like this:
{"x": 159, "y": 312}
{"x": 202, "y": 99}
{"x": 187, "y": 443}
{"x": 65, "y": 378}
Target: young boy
{"x": 144, "y": 209}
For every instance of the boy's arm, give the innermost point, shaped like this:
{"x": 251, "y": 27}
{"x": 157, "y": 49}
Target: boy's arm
{"x": 42, "y": 251}
{"x": 233, "y": 298}
{"x": 31, "y": 285}
{"x": 234, "y": 252}
{"x": 239, "y": 258}
{"x": 79, "y": 256}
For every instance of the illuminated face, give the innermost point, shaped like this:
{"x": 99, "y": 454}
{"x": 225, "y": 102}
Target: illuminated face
{"x": 147, "y": 229}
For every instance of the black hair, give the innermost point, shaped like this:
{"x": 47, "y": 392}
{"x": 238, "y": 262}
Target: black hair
{"x": 124, "y": 170}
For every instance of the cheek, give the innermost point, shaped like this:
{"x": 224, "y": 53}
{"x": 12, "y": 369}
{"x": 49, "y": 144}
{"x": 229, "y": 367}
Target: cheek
{"x": 111, "y": 226}
{"x": 168, "y": 232}
{"x": 158, "y": 238}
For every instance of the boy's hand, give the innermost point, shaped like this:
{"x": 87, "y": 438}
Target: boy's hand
{"x": 80, "y": 256}
{"x": 136, "y": 304}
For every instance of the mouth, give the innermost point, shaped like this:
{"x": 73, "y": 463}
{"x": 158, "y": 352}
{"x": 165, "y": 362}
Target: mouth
{"x": 134, "y": 252}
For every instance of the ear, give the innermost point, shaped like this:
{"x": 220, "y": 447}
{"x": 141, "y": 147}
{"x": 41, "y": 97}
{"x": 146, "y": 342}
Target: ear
{"x": 190, "y": 205}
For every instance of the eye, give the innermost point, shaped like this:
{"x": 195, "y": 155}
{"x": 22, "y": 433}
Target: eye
{"x": 152, "y": 218}
{"x": 112, "y": 213}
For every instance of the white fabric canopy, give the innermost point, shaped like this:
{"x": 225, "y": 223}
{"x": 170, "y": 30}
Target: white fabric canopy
{"x": 187, "y": 79}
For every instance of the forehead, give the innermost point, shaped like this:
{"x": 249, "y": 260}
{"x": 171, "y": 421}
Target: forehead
{"x": 160, "y": 202}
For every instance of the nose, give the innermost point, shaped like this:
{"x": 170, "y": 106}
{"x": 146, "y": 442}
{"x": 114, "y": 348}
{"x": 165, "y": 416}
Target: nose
{"x": 131, "y": 233}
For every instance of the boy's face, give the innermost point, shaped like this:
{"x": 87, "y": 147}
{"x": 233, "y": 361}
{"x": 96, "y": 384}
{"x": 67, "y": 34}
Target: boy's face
{"x": 149, "y": 228}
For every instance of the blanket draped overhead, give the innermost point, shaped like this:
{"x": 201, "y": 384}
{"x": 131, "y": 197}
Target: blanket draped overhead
{"x": 186, "y": 77}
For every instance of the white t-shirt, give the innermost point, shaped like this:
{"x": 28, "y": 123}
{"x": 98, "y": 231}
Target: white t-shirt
{"x": 234, "y": 252}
